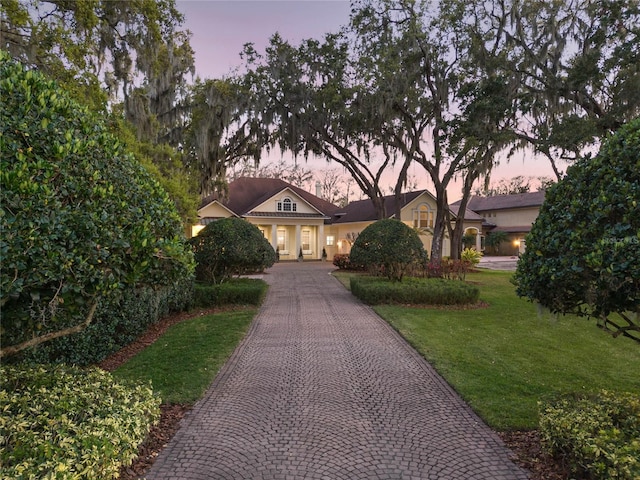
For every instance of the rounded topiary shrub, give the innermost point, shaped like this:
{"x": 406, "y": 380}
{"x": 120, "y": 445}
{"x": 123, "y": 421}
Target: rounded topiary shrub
{"x": 228, "y": 247}
{"x": 80, "y": 219}
{"x": 388, "y": 247}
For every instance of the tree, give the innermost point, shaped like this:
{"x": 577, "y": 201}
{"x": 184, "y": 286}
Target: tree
{"x": 310, "y": 99}
{"x": 583, "y": 252}
{"x": 450, "y": 110}
{"x": 81, "y": 218}
{"x": 495, "y": 239}
{"x": 127, "y": 60}
{"x": 228, "y": 247}
{"x": 219, "y": 135}
{"x": 388, "y": 247}
{"x": 577, "y": 65}
{"x": 334, "y": 187}
{"x": 102, "y": 50}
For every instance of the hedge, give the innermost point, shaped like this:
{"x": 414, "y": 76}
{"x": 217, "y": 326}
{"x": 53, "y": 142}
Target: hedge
{"x": 418, "y": 291}
{"x": 68, "y": 423}
{"x": 597, "y": 435}
{"x": 118, "y": 321}
{"x": 237, "y": 291}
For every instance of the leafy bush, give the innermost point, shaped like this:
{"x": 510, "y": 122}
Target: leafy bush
{"x": 598, "y": 436}
{"x": 493, "y": 240}
{"x": 343, "y": 262}
{"x": 68, "y": 423}
{"x": 471, "y": 255}
{"x": 414, "y": 291}
{"x": 583, "y": 251}
{"x": 81, "y": 219}
{"x": 388, "y": 247}
{"x": 448, "y": 269}
{"x": 119, "y": 320}
{"x": 237, "y": 291}
{"x": 231, "y": 246}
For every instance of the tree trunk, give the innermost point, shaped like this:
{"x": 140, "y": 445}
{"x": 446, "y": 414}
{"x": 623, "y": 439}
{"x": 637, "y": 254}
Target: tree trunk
{"x": 458, "y": 231}
{"x": 440, "y": 223}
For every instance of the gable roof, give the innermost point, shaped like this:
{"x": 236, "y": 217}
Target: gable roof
{"x": 364, "y": 210}
{"x": 246, "y": 193}
{"x": 503, "y": 202}
{"x": 468, "y": 214}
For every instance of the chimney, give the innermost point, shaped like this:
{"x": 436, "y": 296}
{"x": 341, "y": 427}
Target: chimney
{"x": 318, "y": 189}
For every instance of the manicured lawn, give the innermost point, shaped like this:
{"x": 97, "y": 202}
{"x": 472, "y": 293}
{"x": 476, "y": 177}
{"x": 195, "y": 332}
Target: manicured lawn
{"x": 504, "y": 358}
{"x": 184, "y": 361}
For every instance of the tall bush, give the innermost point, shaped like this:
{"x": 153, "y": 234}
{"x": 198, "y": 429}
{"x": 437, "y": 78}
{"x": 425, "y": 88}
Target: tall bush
{"x": 230, "y": 246}
{"x": 118, "y": 321}
{"x": 388, "y": 247}
{"x": 80, "y": 219}
{"x": 583, "y": 252}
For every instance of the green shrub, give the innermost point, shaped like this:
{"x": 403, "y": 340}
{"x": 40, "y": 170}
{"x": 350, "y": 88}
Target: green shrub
{"x": 237, "y": 291}
{"x": 343, "y": 262}
{"x": 583, "y": 251}
{"x": 414, "y": 291}
{"x": 119, "y": 320}
{"x": 231, "y": 246}
{"x": 448, "y": 269}
{"x": 81, "y": 219}
{"x": 388, "y": 247}
{"x": 598, "y": 436}
{"x": 68, "y": 423}
{"x": 471, "y": 255}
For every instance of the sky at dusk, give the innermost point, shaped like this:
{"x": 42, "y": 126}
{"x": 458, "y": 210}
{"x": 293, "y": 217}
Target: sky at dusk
{"x": 220, "y": 28}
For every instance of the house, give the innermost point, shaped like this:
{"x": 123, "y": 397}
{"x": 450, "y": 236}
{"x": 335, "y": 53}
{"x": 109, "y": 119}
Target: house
{"x": 513, "y": 214}
{"x": 293, "y": 219}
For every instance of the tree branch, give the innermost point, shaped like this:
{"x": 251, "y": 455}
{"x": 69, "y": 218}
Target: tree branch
{"x": 13, "y": 349}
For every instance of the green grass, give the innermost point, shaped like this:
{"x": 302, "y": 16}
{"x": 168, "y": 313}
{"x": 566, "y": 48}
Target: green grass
{"x": 184, "y": 361}
{"x": 505, "y": 358}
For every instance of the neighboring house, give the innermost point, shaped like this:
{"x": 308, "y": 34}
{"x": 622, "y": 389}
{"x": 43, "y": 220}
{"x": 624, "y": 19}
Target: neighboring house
{"x": 417, "y": 209}
{"x": 293, "y": 219}
{"x": 513, "y": 214}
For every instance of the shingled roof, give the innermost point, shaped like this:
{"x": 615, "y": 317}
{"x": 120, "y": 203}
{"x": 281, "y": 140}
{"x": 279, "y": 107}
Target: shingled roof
{"x": 364, "y": 210}
{"x": 503, "y": 202}
{"x": 246, "y": 193}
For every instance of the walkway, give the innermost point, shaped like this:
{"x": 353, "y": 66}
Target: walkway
{"x": 322, "y": 388}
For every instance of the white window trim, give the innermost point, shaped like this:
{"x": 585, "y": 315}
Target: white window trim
{"x": 309, "y": 251}
{"x": 284, "y": 251}
{"x": 286, "y": 201}
{"x": 430, "y": 215}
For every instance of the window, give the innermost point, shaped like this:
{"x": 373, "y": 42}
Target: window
{"x": 305, "y": 238}
{"x": 423, "y": 217}
{"x": 331, "y": 240}
{"x": 282, "y": 240}
{"x": 287, "y": 205}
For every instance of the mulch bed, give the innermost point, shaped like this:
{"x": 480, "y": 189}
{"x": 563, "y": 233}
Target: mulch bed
{"x": 525, "y": 446}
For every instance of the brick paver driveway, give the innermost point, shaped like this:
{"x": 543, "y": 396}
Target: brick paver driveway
{"x": 321, "y": 388}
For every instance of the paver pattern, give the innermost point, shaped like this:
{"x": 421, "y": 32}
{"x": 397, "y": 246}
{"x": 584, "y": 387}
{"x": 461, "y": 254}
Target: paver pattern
{"x": 322, "y": 388}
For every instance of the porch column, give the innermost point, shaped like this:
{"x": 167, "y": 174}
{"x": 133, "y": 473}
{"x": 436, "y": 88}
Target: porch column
{"x": 274, "y": 236}
{"x": 479, "y": 240}
{"x": 320, "y": 241}
{"x": 296, "y": 251}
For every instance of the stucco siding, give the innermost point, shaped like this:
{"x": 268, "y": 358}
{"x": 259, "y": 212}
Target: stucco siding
{"x": 271, "y": 205}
